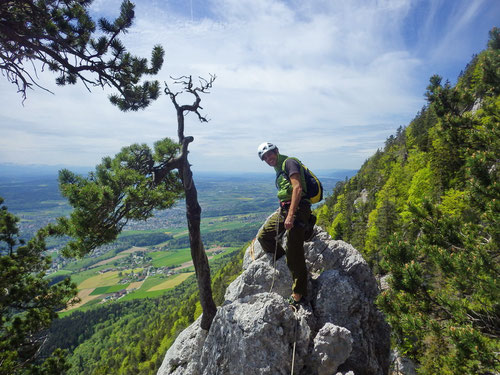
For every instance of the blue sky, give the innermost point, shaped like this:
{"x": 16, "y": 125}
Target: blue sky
{"x": 327, "y": 81}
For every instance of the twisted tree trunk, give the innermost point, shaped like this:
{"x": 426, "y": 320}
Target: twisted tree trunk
{"x": 193, "y": 209}
{"x": 200, "y": 259}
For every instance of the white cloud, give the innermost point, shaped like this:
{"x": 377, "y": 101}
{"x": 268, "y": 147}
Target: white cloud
{"x": 328, "y": 80}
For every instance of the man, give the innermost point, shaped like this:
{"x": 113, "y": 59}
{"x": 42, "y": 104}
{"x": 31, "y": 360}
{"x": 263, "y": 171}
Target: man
{"x": 294, "y": 216}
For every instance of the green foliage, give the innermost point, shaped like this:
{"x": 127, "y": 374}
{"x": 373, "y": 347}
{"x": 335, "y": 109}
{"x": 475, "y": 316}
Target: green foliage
{"x": 221, "y": 237}
{"x": 132, "y": 337}
{"x": 28, "y": 303}
{"x": 9, "y": 232}
{"x": 108, "y": 289}
{"x": 425, "y": 210}
{"x": 226, "y": 276}
{"x": 62, "y": 36}
{"x": 443, "y": 303}
{"x": 121, "y": 189}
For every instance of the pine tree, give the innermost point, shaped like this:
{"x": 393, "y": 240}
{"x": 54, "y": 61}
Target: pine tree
{"x": 62, "y": 37}
{"x": 444, "y": 300}
{"x": 121, "y": 189}
{"x": 28, "y": 303}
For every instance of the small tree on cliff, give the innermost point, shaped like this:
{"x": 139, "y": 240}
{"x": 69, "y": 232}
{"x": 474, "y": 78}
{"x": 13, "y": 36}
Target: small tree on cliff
{"x": 60, "y": 36}
{"x": 193, "y": 209}
{"x": 135, "y": 183}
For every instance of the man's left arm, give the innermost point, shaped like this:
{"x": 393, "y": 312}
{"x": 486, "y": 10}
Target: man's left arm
{"x": 296, "y": 196}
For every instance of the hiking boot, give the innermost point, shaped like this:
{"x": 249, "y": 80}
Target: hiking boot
{"x": 308, "y": 234}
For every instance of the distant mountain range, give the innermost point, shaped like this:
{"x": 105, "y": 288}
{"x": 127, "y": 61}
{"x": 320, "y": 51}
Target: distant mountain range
{"x": 11, "y": 170}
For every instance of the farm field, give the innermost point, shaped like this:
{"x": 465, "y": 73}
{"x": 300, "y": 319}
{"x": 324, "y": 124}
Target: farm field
{"x": 171, "y": 283}
{"x": 149, "y": 257}
{"x": 99, "y": 284}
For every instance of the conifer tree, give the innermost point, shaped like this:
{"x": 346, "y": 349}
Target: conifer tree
{"x": 121, "y": 189}
{"x": 443, "y": 304}
{"x": 62, "y": 37}
{"x": 135, "y": 183}
{"x": 28, "y": 303}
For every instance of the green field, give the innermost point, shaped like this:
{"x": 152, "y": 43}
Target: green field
{"x": 151, "y": 282}
{"x": 107, "y": 283}
{"x": 100, "y": 280}
{"x": 232, "y": 209}
{"x": 171, "y": 258}
{"x": 108, "y": 289}
{"x": 171, "y": 282}
{"x": 157, "y": 285}
{"x": 80, "y": 277}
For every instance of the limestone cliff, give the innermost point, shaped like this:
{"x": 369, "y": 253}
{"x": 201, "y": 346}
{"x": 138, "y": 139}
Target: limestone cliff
{"x": 257, "y": 332}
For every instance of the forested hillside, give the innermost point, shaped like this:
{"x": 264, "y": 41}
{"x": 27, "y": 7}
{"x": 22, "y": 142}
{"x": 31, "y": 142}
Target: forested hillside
{"x": 425, "y": 211}
{"x": 132, "y": 337}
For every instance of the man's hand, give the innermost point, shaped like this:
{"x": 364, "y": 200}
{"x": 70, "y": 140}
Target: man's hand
{"x": 296, "y": 195}
{"x": 289, "y": 221}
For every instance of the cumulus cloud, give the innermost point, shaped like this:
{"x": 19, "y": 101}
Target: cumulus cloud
{"x": 327, "y": 81}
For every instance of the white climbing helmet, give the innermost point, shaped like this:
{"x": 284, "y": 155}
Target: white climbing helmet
{"x": 265, "y": 147}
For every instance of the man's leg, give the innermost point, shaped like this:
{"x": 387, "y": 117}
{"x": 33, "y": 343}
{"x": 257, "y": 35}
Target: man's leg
{"x": 295, "y": 252}
{"x": 267, "y": 235}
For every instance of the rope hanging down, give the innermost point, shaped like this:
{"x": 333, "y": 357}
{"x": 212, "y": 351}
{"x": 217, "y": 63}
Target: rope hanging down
{"x": 276, "y": 248}
{"x": 294, "y": 337}
{"x": 272, "y": 285}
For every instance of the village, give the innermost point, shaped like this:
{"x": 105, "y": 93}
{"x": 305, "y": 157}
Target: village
{"x": 137, "y": 267}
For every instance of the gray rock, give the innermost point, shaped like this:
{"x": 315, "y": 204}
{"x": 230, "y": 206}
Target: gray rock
{"x": 339, "y": 300}
{"x": 332, "y": 346}
{"x": 254, "y": 335}
{"x": 401, "y": 365}
{"x": 188, "y": 345}
{"x": 259, "y": 277}
{"x": 254, "y": 332}
{"x": 323, "y": 253}
{"x": 362, "y": 199}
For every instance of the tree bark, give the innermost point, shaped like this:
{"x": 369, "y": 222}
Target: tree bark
{"x": 198, "y": 254}
{"x": 193, "y": 209}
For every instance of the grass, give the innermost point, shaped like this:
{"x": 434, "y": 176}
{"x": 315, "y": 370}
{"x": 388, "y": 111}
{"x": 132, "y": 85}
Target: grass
{"x": 108, "y": 289}
{"x": 80, "y": 277}
{"x": 138, "y": 294}
{"x": 170, "y": 258}
{"x": 157, "y": 285}
{"x": 171, "y": 282}
{"x": 103, "y": 279}
{"x": 151, "y": 281}
{"x": 59, "y": 273}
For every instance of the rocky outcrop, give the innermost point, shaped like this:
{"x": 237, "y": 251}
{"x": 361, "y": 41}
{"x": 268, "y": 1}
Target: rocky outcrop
{"x": 257, "y": 332}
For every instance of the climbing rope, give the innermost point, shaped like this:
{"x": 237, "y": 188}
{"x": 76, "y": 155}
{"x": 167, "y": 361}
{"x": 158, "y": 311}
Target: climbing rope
{"x": 294, "y": 337}
{"x": 252, "y": 252}
{"x": 276, "y": 247}
{"x": 272, "y": 285}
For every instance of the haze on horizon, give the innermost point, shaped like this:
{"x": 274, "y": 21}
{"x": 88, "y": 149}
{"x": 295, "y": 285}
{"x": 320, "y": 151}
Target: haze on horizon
{"x": 326, "y": 81}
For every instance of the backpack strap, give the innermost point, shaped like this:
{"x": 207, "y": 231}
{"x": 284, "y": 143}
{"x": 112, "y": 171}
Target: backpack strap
{"x": 285, "y": 174}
